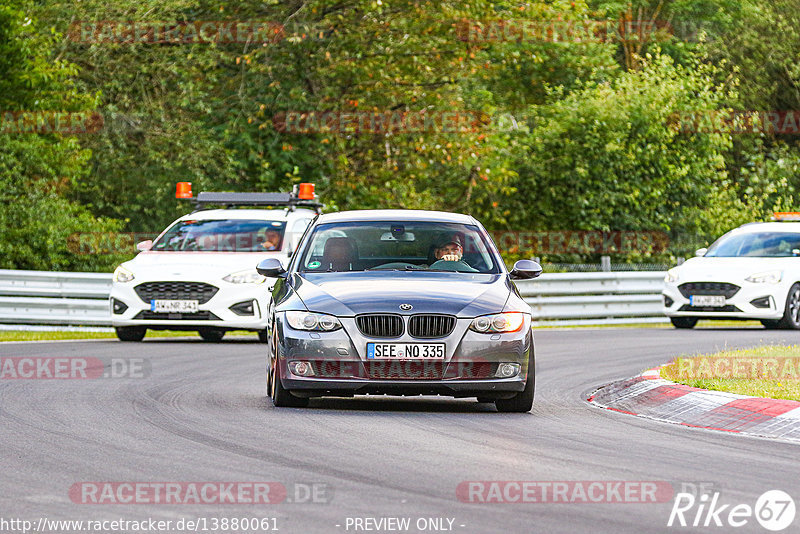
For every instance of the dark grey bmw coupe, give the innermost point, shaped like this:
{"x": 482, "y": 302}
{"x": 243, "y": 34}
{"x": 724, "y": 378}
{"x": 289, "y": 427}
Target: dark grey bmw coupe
{"x": 399, "y": 302}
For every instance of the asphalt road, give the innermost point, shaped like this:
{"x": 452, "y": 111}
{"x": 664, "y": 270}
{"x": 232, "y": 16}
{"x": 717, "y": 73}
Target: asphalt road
{"x": 202, "y": 415}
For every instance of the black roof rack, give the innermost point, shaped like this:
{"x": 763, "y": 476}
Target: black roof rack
{"x": 230, "y": 199}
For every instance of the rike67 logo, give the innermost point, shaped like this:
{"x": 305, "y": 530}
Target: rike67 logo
{"x": 774, "y": 510}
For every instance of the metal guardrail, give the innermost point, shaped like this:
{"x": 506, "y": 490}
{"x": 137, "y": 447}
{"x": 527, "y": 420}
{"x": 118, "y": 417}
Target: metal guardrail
{"x": 606, "y": 295}
{"x": 39, "y": 297}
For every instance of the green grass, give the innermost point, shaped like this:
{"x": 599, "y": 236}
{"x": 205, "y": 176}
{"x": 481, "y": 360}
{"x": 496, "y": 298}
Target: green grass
{"x": 26, "y": 335}
{"x": 771, "y": 371}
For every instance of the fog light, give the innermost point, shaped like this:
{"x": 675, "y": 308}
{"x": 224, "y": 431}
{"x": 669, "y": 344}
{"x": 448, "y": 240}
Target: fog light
{"x": 243, "y": 308}
{"x": 763, "y": 302}
{"x": 301, "y": 368}
{"x": 118, "y": 306}
{"x": 507, "y": 370}
{"x": 668, "y": 302}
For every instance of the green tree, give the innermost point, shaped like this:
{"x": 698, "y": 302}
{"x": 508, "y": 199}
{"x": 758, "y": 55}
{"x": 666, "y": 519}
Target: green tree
{"x": 38, "y": 172}
{"x": 611, "y": 157}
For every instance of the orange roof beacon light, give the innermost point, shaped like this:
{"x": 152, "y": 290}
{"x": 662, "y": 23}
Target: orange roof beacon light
{"x": 306, "y": 191}
{"x": 183, "y": 190}
{"x": 786, "y": 216}
{"x": 302, "y": 195}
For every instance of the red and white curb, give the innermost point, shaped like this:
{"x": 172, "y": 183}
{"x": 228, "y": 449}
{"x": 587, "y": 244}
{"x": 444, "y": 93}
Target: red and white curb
{"x": 649, "y": 395}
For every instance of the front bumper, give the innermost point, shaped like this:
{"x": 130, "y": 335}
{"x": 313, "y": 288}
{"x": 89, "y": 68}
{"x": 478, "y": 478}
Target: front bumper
{"x": 739, "y": 306}
{"x": 216, "y": 312}
{"x": 342, "y": 368}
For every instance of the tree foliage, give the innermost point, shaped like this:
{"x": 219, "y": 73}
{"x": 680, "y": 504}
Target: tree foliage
{"x": 565, "y": 134}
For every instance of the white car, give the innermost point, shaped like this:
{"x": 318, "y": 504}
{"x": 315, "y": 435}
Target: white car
{"x": 752, "y": 272}
{"x": 200, "y": 273}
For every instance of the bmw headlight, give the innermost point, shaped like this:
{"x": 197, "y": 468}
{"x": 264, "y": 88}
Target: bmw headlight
{"x": 300, "y": 320}
{"x": 767, "y": 277}
{"x": 122, "y": 275}
{"x": 501, "y": 322}
{"x": 672, "y": 276}
{"x": 249, "y": 276}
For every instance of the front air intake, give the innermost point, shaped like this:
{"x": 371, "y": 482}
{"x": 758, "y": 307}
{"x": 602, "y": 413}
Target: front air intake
{"x": 431, "y": 326}
{"x": 380, "y": 325}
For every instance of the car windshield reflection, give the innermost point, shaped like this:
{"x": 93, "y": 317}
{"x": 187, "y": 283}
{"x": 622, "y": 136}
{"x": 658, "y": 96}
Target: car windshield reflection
{"x": 398, "y": 246}
{"x": 757, "y": 245}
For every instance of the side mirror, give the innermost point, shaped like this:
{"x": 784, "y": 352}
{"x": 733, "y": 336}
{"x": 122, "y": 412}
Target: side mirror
{"x": 525, "y": 270}
{"x": 271, "y": 268}
{"x": 144, "y": 245}
{"x": 700, "y": 252}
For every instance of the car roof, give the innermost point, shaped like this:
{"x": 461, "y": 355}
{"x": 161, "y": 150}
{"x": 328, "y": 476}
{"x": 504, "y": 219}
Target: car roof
{"x": 270, "y": 215}
{"x": 396, "y": 215}
{"x": 757, "y": 227}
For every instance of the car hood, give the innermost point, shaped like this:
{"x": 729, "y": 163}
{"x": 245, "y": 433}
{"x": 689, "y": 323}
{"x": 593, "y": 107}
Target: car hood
{"x": 713, "y": 269}
{"x": 194, "y": 265}
{"x": 348, "y": 294}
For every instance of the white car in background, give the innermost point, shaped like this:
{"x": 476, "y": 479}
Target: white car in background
{"x": 200, "y": 273}
{"x": 752, "y": 272}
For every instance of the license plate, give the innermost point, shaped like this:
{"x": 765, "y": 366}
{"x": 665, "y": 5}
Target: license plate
{"x": 174, "y": 306}
{"x": 711, "y": 301}
{"x": 405, "y": 351}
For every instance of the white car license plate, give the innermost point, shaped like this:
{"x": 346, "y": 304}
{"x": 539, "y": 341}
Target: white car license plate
{"x": 174, "y": 306}
{"x": 710, "y": 301}
{"x": 405, "y": 351}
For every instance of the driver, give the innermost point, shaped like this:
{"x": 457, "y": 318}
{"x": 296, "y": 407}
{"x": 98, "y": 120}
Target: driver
{"x": 449, "y": 253}
{"x": 272, "y": 240}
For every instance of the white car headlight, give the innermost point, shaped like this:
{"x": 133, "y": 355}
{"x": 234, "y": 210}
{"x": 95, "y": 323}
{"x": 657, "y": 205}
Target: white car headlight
{"x": 300, "y": 320}
{"x": 122, "y": 275}
{"x": 501, "y": 322}
{"x": 244, "y": 277}
{"x": 767, "y": 277}
{"x": 672, "y": 276}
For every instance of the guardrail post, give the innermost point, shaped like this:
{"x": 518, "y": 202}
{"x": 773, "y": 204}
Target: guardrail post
{"x": 605, "y": 264}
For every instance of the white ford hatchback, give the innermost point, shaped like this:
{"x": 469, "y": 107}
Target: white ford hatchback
{"x": 752, "y": 272}
{"x": 200, "y": 273}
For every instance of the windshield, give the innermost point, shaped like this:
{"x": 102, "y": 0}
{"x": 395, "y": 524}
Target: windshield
{"x": 401, "y": 246}
{"x": 230, "y": 235}
{"x": 757, "y": 245}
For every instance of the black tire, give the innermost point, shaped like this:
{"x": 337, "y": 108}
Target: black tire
{"x": 130, "y": 333}
{"x": 523, "y": 401}
{"x": 771, "y": 324}
{"x": 791, "y": 312}
{"x": 281, "y": 397}
{"x": 683, "y": 322}
{"x": 262, "y": 336}
{"x": 211, "y": 334}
